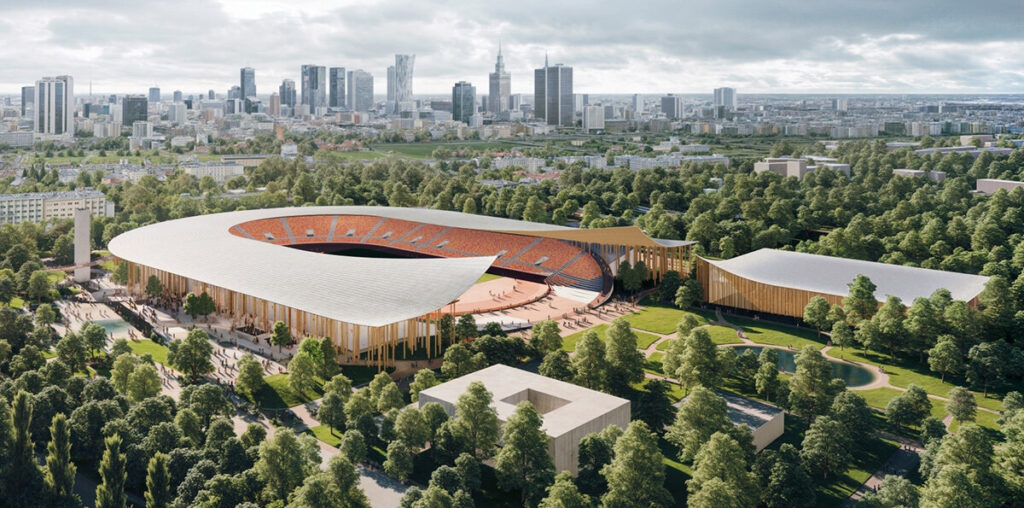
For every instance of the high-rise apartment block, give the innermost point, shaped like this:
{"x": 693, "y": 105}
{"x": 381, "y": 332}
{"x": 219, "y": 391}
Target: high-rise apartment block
{"x": 43, "y": 206}
{"x": 55, "y": 106}
{"x": 552, "y": 95}
{"x": 500, "y": 87}
{"x": 725, "y": 97}
{"x": 463, "y": 102}
{"x": 247, "y": 82}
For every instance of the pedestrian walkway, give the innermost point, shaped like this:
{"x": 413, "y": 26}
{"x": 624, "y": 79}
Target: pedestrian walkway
{"x": 901, "y": 462}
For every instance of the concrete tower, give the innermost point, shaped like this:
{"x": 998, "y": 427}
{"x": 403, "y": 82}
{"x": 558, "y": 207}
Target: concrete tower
{"x": 82, "y": 245}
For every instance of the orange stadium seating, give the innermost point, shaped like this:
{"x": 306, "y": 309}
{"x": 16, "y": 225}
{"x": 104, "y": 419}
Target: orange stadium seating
{"x": 396, "y": 227}
{"x": 320, "y": 225}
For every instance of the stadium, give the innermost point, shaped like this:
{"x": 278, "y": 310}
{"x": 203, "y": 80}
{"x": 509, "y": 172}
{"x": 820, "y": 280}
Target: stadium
{"x": 377, "y": 278}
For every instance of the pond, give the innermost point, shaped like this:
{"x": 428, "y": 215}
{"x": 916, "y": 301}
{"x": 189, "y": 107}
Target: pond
{"x": 851, "y": 374}
{"x": 115, "y": 326}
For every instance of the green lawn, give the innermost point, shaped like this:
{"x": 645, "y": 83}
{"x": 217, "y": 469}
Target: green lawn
{"x": 426, "y": 150}
{"x": 276, "y": 394}
{"x": 323, "y": 433}
{"x": 653, "y": 364}
{"x": 723, "y": 335}
{"x": 55, "y": 276}
{"x": 665, "y": 346}
{"x": 49, "y": 353}
{"x": 905, "y": 372}
{"x": 764, "y": 332}
{"x": 643, "y": 340}
{"x": 488, "y": 276}
{"x": 663, "y": 320}
{"x": 17, "y": 302}
{"x": 143, "y": 346}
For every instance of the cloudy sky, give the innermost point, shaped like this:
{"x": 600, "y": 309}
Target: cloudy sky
{"x": 646, "y": 46}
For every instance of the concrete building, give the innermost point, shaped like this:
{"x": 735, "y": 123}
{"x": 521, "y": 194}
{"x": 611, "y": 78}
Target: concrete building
{"x": 247, "y": 82}
{"x": 360, "y": 85}
{"x": 154, "y": 94}
{"x": 287, "y": 93}
{"x": 500, "y": 87}
{"x": 990, "y": 186}
{"x": 83, "y": 244}
{"x": 937, "y": 176}
{"x": 404, "y": 65}
{"x": 725, "y": 97}
{"x": 43, "y": 206}
{"x": 671, "y": 107}
{"x": 553, "y": 96}
{"x": 177, "y": 96}
{"x": 463, "y": 102}
{"x": 391, "y": 87}
{"x": 840, "y": 104}
{"x": 219, "y": 171}
{"x": 765, "y": 420}
{"x": 133, "y": 109}
{"x": 314, "y": 87}
{"x": 570, "y": 412}
{"x": 336, "y": 93}
{"x": 785, "y": 166}
{"x": 593, "y": 118}
{"x": 54, "y": 106}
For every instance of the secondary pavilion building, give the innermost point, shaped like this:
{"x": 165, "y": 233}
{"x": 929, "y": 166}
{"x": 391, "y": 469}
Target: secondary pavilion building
{"x": 782, "y": 282}
{"x": 268, "y": 265}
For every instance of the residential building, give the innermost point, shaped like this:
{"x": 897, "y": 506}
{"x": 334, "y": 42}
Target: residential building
{"x": 336, "y": 94}
{"x": 593, "y": 118}
{"x": 725, "y": 97}
{"x": 43, "y": 206}
{"x": 500, "y": 87}
{"x": 247, "y": 82}
{"x": 54, "y": 106}
{"x": 553, "y": 96}
{"x": 219, "y": 171}
{"x": 463, "y": 102}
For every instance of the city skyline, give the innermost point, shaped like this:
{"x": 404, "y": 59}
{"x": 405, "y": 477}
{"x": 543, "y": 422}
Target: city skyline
{"x": 871, "y": 47}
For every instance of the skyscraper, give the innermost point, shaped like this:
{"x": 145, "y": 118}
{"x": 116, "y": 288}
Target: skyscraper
{"x": 636, "y": 102}
{"x": 500, "y": 87}
{"x": 154, "y": 94}
{"x": 275, "y": 104}
{"x": 235, "y": 92}
{"x": 671, "y": 106}
{"x": 314, "y": 87}
{"x": 391, "y": 87}
{"x": 177, "y": 96}
{"x": 552, "y": 95}
{"x": 248, "y": 82}
{"x": 336, "y": 96}
{"x": 211, "y": 95}
{"x": 55, "y": 106}
{"x": 287, "y": 93}
{"x": 133, "y": 109}
{"x": 361, "y": 85}
{"x": 463, "y": 102}
{"x": 403, "y": 78}
{"x": 28, "y": 96}
{"x": 725, "y": 97}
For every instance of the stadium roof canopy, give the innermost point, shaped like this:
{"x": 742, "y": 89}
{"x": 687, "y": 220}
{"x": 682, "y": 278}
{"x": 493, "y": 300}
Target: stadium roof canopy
{"x": 832, "y": 275}
{"x": 362, "y": 291}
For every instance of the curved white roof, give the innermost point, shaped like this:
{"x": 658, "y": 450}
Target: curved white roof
{"x": 363, "y": 291}
{"x": 832, "y": 275}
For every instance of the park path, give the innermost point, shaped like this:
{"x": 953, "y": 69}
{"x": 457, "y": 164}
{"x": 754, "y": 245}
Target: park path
{"x": 901, "y": 462}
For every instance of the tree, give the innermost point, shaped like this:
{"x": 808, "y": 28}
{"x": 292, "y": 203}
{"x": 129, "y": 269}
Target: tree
{"x": 997, "y": 307}
{"x": 459, "y": 361}
{"x": 466, "y": 327}
{"x": 589, "y": 362}
{"x": 39, "y": 285}
{"x": 595, "y": 452}
{"x": 852, "y": 411}
{"x": 399, "y": 462}
{"x": 523, "y": 462}
{"x": 546, "y": 337}
{"x": 332, "y": 411}
{"x": 329, "y": 359}
{"x": 45, "y": 315}
{"x": 688, "y": 294}
{"x": 71, "y": 351}
{"x": 250, "y": 376}
{"x": 476, "y": 422}
{"x": 895, "y": 491}
{"x": 94, "y": 336}
{"x": 563, "y": 493}
{"x": 123, "y": 367}
{"x": 811, "y": 389}
{"x": 284, "y": 461}
{"x": 281, "y": 335}
{"x": 952, "y": 487}
{"x": 424, "y": 379}
{"x": 702, "y": 414}
{"x": 816, "y": 313}
{"x": 192, "y": 355}
{"x": 766, "y": 381}
{"x": 158, "y": 482}
{"x": 353, "y": 446}
{"x": 668, "y": 286}
{"x": 860, "y": 303}
{"x": 654, "y": 405}
{"x": 721, "y": 459}
{"x": 889, "y": 319}
{"x": 989, "y": 362}
{"x": 111, "y": 492}
{"x": 899, "y": 411}
{"x": 842, "y": 334}
{"x": 923, "y": 325}
{"x": 932, "y": 429}
{"x": 358, "y": 408}
{"x": 341, "y": 385}
{"x": 411, "y": 428}
{"x": 21, "y": 469}
{"x": 144, "y": 382}
{"x": 686, "y": 325}
{"x": 60, "y": 471}
{"x": 945, "y": 357}
{"x": 826, "y": 447}
{"x": 557, "y": 365}
{"x": 636, "y": 474}
{"x": 625, "y": 363}
{"x": 961, "y": 406}
{"x": 302, "y": 373}
{"x": 121, "y": 273}
{"x": 783, "y": 478}
{"x": 206, "y": 401}
{"x": 1010, "y": 456}
{"x": 192, "y": 306}
{"x": 698, "y": 362}
{"x": 155, "y": 288}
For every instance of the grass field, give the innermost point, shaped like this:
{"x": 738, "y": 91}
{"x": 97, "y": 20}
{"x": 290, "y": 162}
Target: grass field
{"x": 653, "y": 364}
{"x": 143, "y": 346}
{"x": 426, "y": 150}
{"x": 55, "y": 276}
{"x": 779, "y": 335}
{"x": 17, "y": 302}
{"x": 658, "y": 319}
{"x": 643, "y": 340}
{"x": 723, "y": 335}
{"x": 487, "y": 276}
{"x": 903, "y": 373}
{"x": 276, "y": 394}
{"x": 360, "y": 156}
{"x": 323, "y": 433}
